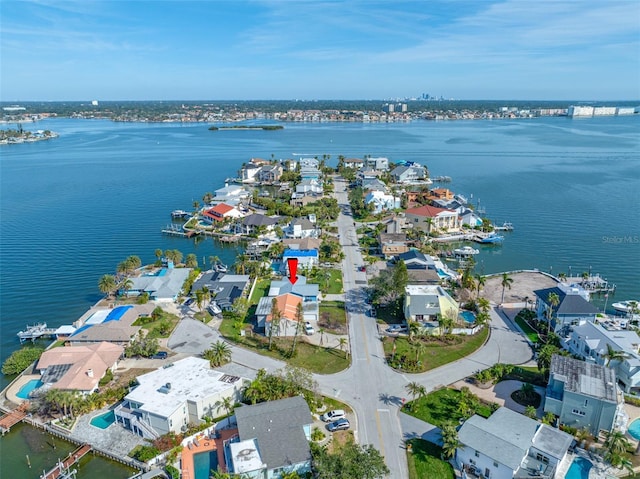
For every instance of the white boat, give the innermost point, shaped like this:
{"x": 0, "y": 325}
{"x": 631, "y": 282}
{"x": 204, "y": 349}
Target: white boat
{"x": 626, "y": 306}
{"x": 465, "y": 251}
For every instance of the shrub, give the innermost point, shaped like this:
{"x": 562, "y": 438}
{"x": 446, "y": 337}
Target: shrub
{"x": 106, "y": 379}
{"x": 21, "y": 360}
{"x": 172, "y": 471}
{"x": 145, "y": 453}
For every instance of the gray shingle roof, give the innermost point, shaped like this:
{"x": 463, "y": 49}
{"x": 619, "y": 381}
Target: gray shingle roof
{"x": 278, "y": 427}
{"x": 570, "y": 304}
{"x": 257, "y": 219}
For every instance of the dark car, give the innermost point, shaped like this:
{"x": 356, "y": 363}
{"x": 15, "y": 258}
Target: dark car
{"x": 160, "y": 355}
{"x": 339, "y": 425}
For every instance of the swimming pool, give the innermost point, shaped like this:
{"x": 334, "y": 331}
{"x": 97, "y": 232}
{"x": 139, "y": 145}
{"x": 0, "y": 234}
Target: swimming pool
{"x": 204, "y": 463}
{"x": 25, "y": 390}
{"x": 468, "y": 317}
{"x": 105, "y": 420}
{"x": 579, "y": 469}
{"x": 634, "y": 429}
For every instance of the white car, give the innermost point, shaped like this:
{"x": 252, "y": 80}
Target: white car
{"x": 308, "y": 328}
{"x": 334, "y": 415}
{"x": 396, "y": 328}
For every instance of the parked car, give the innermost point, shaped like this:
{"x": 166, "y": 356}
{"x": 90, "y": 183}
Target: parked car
{"x": 333, "y": 415}
{"x": 160, "y": 355}
{"x": 308, "y": 328}
{"x": 397, "y": 328}
{"x": 339, "y": 425}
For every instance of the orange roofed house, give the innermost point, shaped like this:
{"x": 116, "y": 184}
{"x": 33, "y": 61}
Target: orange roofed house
{"x": 220, "y": 212}
{"x": 78, "y": 368}
{"x": 288, "y": 306}
{"x": 430, "y": 218}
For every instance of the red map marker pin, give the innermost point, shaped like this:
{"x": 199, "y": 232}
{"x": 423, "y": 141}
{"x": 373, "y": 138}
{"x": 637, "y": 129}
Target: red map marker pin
{"x": 293, "y": 269}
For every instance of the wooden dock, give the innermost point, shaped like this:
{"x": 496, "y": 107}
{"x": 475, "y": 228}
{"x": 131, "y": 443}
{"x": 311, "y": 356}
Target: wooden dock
{"x": 62, "y": 467}
{"x": 12, "y": 418}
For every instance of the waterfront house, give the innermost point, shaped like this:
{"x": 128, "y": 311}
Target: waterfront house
{"x": 301, "y": 228}
{"x": 273, "y": 439}
{"x": 508, "y": 445}
{"x": 584, "y": 395}
{"x": 220, "y": 212}
{"x": 393, "y": 244}
{"x": 378, "y": 163}
{"x": 408, "y": 174}
{"x": 592, "y": 342}
{"x": 354, "y": 163}
{"x": 163, "y": 285}
{"x": 430, "y": 218}
{"x": 224, "y": 288}
{"x": 270, "y": 173}
{"x": 374, "y": 184}
{"x": 310, "y": 169}
{"x": 381, "y": 201}
{"x": 421, "y": 268}
{"x": 572, "y": 309}
{"x": 78, "y": 368}
{"x": 440, "y": 194}
{"x": 232, "y": 195}
{"x": 249, "y": 172}
{"x": 113, "y": 325}
{"x": 303, "y": 199}
{"x": 171, "y": 398}
{"x": 256, "y": 222}
{"x": 426, "y": 304}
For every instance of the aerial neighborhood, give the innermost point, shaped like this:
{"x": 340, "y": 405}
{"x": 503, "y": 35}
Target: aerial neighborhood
{"x": 351, "y": 336}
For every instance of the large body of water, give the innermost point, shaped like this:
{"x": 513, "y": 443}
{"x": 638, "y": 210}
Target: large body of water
{"x": 74, "y": 207}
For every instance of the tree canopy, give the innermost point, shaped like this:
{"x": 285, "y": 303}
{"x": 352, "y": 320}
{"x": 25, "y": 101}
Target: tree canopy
{"x": 352, "y": 461}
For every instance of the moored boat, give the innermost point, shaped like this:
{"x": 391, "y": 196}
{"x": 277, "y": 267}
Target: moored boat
{"x": 465, "y": 251}
{"x": 492, "y": 239}
{"x": 627, "y": 306}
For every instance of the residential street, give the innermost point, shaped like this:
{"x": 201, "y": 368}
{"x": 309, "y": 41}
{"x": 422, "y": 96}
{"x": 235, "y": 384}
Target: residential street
{"x": 369, "y": 386}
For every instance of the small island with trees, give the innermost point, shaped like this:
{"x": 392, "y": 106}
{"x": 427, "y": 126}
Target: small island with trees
{"x": 23, "y": 136}
{"x": 245, "y": 127}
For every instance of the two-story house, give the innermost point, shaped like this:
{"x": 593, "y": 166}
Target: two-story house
{"x": 573, "y": 307}
{"x": 429, "y": 218}
{"x": 301, "y": 228}
{"x": 273, "y": 440}
{"x": 408, "y": 174}
{"x": 426, "y": 304}
{"x": 584, "y": 395}
{"x": 508, "y": 445}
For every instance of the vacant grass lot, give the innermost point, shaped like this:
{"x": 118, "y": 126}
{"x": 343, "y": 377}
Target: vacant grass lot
{"x": 424, "y": 461}
{"x": 161, "y": 327}
{"x": 333, "y": 316}
{"x": 332, "y": 284}
{"x": 440, "y": 407}
{"x": 435, "y": 353}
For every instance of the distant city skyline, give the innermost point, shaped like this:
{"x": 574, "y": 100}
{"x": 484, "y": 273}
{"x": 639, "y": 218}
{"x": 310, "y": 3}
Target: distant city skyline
{"x": 271, "y": 50}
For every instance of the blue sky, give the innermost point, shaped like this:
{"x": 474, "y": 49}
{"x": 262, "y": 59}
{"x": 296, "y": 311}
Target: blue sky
{"x": 287, "y": 49}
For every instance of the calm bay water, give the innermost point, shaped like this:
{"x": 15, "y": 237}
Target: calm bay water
{"x": 73, "y": 207}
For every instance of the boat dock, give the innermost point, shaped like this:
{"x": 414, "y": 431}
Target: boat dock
{"x": 61, "y": 469}
{"x": 12, "y": 418}
{"x": 173, "y": 230}
{"x": 593, "y": 283}
{"x": 36, "y": 331}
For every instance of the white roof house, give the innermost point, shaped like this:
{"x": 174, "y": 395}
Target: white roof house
{"x": 382, "y": 201}
{"x": 180, "y": 393}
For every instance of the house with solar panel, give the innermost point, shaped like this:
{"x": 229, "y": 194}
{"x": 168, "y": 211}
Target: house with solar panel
{"x": 113, "y": 325}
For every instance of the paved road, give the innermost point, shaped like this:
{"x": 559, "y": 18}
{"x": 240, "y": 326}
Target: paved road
{"x": 369, "y": 386}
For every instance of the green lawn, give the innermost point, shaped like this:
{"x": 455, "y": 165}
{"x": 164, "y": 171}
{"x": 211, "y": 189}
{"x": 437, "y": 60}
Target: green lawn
{"x": 391, "y": 313}
{"x": 424, "y": 461}
{"x": 316, "y": 359}
{"x": 440, "y": 407}
{"x": 333, "y": 285}
{"x": 152, "y": 327}
{"x": 435, "y": 352}
{"x": 261, "y": 289}
{"x": 528, "y": 330}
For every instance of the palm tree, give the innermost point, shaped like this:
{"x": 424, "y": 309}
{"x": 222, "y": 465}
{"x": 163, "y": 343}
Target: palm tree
{"x": 321, "y": 332}
{"x": 450, "y": 442}
{"x": 613, "y": 355}
{"x": 107, "y": 284}
{"x": 530, "y": 412}
{"x": 416, "y": 390}
{"x": 553, "y": 300}
{"x": 413, "y": 329}
{"x": 227, "y": 404}
{"x": 158, "y": 252}
{"x": 192, "y": 261}
{"x": 218, "y": 354}
{"x": 125, "y": 285}
{"x": 276, "y": 315}
{"x": 484, "y": 305}
{"x": 616, "y": 443}
{"x": 343, "y": 344}
{"x": 480, "y": 282}
{"x": 562, "y": 276}
{"x": 506, "y": 283}
{"x": 298, "y": 327}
